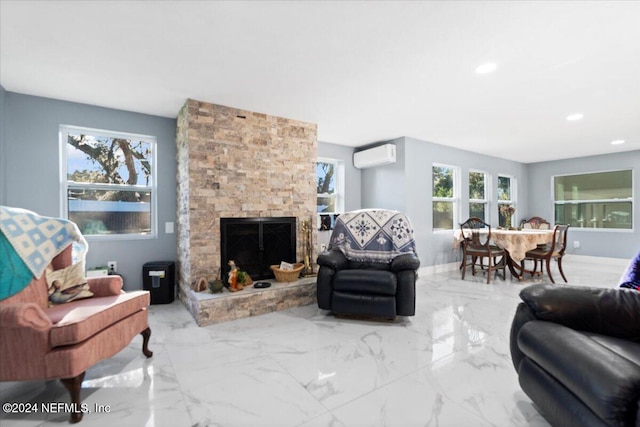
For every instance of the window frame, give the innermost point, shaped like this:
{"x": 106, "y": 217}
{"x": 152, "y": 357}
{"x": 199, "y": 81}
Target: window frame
{"x": 339, "y": 186}
{"x": 512, "y": 201}
{"x": 454, "y": 200}
{"x": 66, "y": 185}
{"x": 486, "y": 199}
{"x": 630, "y": 199}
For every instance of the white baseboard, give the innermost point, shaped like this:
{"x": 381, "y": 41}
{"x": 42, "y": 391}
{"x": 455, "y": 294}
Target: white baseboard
{"x": 442, "y": 268}
{"x": 582, "y": 259}
{"x": 587, "y": 259}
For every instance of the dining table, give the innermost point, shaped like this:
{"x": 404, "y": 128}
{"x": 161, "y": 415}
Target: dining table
{"x": 516, "y": 244}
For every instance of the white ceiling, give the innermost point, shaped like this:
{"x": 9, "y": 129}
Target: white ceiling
{"x": 363, "y": 71}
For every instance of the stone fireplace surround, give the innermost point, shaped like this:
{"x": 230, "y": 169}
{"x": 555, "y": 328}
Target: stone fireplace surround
{"x": 238, "y": 163}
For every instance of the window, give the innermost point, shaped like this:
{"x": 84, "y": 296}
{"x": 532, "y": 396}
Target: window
{"x": 444, "y": 197}
{"x": 478, "y": 195}
{"x": 505, "y": 198}
{"x": 326, "y": 174}
{"x": 109, "y": 182}
{"x": 594, "y": 200}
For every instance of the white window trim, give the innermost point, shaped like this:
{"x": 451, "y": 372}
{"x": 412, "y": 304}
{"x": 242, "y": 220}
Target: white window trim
{"x": 153, "y": 188}
{"x": 455, "y": 199}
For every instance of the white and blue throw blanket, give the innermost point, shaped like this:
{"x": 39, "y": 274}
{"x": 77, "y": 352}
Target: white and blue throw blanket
{"x": 373, "y": 235}
{"x": 29, "y": 242}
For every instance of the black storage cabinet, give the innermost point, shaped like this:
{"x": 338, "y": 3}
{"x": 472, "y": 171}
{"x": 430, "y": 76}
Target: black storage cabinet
{"x": 159, "y": 278}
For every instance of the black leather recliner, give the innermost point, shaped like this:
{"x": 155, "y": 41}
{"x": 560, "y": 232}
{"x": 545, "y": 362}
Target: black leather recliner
{"x": 577, "y": 353}
{"x": 370, "y": 267}
{"x": 367, "y": 288}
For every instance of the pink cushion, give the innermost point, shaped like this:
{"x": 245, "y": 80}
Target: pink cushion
{"x": 76, "y": 321}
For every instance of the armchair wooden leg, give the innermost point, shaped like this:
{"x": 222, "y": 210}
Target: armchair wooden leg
{"x": 74, "y": 386}
{"x": 146, "y": 334}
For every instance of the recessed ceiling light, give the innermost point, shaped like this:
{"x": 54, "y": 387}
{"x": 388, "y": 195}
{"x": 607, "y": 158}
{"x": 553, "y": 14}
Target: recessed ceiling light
{"x": 617, "y": 142}
{"x": 574, "y": 117}
{"x": 486, "y": 68}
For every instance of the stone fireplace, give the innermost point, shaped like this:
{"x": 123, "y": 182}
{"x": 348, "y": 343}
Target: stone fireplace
{"x": 235, "y": 163}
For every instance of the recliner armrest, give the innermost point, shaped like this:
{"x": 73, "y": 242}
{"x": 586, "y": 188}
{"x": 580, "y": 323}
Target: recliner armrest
{"x": 405, "y": 262}
{"x": 609, "y": 311}
{"x": 333, "y": 259}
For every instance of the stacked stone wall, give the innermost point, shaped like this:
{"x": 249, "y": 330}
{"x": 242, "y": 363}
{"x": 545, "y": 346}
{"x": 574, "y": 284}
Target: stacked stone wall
{"x": 238, "y": 163}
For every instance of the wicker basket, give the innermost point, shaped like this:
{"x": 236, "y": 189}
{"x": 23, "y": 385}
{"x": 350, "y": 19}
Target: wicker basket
{"x": 287, "y": 275}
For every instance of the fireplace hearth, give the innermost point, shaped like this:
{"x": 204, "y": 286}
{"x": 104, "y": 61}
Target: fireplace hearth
{"x": 257, "y": 243}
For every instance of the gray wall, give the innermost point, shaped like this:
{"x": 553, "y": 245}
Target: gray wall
{"x": 29, "y": 178}
{"x": 30, "y": 170}
{"x": 384, "y": 186}
{"x": 615, "y": 244}
{"x": 406, "y": 186}
{"x": 2, "y": 142}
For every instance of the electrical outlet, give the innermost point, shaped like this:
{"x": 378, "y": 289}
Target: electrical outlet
{"x": 112, "y": 266}
{"x": 576, "y": 244}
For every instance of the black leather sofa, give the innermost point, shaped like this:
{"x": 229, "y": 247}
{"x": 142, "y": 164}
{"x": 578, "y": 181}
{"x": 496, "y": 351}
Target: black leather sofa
{"x": 367, "y": 288}
{"x": 577, "y": 354}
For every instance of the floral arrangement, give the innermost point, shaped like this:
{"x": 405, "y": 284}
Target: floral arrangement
{"x": 507, "y": 210}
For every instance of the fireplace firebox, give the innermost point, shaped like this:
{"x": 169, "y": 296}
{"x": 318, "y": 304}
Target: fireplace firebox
{"x": 257, "y": 243}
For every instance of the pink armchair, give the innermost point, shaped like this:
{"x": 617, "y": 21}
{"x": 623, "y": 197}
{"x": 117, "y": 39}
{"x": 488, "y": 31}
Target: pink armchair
{"x": 38, "y": 342}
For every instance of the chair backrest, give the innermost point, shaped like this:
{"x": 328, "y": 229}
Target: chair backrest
{"x": 536, "y": 222}
{"x": 559, "y": 242}
{"x": 476, "y": 233}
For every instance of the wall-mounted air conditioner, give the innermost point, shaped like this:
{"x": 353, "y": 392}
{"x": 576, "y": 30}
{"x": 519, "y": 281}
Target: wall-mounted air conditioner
{"x": 376, "y": 156}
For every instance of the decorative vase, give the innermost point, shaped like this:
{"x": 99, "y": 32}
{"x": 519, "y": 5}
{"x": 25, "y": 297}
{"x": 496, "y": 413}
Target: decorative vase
{"x": 216, "y": 286}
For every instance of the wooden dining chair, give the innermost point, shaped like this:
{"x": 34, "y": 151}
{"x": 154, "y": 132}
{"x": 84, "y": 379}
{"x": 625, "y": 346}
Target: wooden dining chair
{"x": 536, "y": 222}
{"x": 476, "y": 244}
{"x": 554, "y": 250}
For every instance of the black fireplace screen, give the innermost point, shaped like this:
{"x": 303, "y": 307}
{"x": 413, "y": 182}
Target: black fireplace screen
{"x": 257, "y": 243}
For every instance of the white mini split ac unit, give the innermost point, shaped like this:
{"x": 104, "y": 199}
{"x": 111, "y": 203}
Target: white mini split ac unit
{"x": 376, "y": 156}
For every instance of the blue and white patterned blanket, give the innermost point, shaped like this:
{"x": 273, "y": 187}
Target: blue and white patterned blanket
{"x": 373, "y": 235}
{"x": 38, "y": 239}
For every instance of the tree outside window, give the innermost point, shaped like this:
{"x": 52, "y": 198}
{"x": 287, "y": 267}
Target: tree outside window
{"x": 505, "y": 197}
{"x": 326, "y": 186}
{"x": 444, "y": 201}
{"x": 109, "y": 182}
{"x": 477, "y": 195}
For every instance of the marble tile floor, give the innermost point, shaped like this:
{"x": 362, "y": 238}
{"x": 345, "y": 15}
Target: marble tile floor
{"x": 448, "y": 366}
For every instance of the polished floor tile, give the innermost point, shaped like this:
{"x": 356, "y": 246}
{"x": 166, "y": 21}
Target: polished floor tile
{"x": 447, "y": 366}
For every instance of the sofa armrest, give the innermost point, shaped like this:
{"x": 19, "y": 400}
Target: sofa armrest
{"x": 405, "y": 262}
{"x": 105, "y": 286}
{"x": 333, "y": 259}
{"x": 24, "y": 341}
{"x": 26, "y": 315}
{"x": 613, "y": 312}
